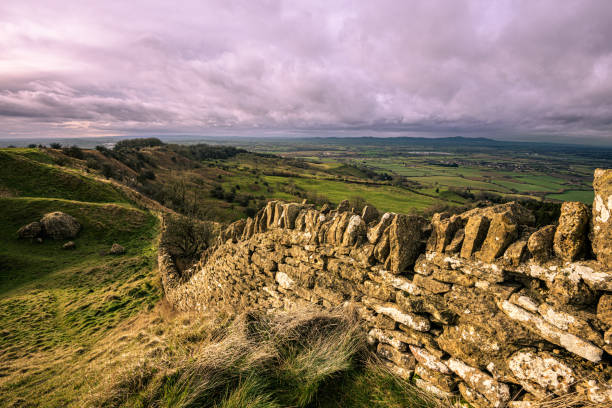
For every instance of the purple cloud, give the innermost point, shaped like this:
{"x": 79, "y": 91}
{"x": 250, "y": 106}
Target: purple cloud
{"x": 510, "y": 68}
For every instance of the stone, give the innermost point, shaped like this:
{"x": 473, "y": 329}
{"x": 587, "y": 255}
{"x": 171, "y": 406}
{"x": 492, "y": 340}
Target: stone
{"x": 503, "y": 230}
{"x": 404, "y": 241}
{"x": 69, "y": 245}
{"x": 455, "y": 244}
{"x": 602, "y": 217}
{"x": 551, "y": 333}
{"x": 473, "y": 397}
{"x": 570, "y": 323}
{"x": 444, "y": 228}
{"x": 117, "y": 249}
{"x": 496, "y": 392}
{"x": 399, "y": 282}
{"x": 355, "y": 231}
{"x": 540, "y": 243}
{"x": 344, "y": 205}
{"x": 430, "y": 284}
{"x": 30, "y": 231}
{"x": 428, "y": 360}
{"x": 289, "y": 214}
{"x": 443, "y": 381}
{"x": 60, "y": 226}
{"x": 433, "y": 305}
{"x": 404, "y": 360}
{"x": 541, "y": 373}
{"x": 432, "y": 389}
{"x": 571, "y": 233}
{"x": 453, "y": 276}
{"x": 411, "y": 320}
{"x": 381, "y": 250}
{"x": 377, "y": 291}
{"x": 604, "y": 309}
{"x": 475, "y": 233}
{"x": 369, "y": 214}
{"x": 516, "y": 253}
{"x": 393, "y": 338}
{"x": 376, "y": 232}
{"x": 398, "y": 371}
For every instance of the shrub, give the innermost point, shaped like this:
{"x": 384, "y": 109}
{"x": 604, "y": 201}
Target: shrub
{"x": 74, "y": 151}
{"x": 55, "y": 145}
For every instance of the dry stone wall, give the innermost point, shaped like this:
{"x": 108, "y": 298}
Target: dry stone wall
{"x": 480, "y": 304}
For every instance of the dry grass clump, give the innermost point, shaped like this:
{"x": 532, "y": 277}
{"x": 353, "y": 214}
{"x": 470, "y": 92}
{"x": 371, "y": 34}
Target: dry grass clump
{"x": 299, "y": 359}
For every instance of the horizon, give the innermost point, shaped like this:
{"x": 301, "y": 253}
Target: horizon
{"x": 512, "y": 71}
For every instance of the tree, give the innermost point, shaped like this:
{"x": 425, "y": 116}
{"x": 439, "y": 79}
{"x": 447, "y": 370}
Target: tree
{"x": 55, "y": 145}
{"x": 185, "y": 237}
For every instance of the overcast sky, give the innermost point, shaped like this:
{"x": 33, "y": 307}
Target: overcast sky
{"x": 514, "y": 69}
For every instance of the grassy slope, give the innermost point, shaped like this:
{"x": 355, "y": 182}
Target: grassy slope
{"x": 56, "y": 304}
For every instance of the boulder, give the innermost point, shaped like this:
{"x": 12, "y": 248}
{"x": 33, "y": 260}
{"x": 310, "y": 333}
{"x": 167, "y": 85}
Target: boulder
{"x": 30, "y": 231}
{"x": 571, "y": 233}
{"x": 602, "y": 217}
{"x": 60, "y": 226}
{"x": 540, "y": 243}
{"x": 69, "y": 245}
{"x": 117, "y": 249}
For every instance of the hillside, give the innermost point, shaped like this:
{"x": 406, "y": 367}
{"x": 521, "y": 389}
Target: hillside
{"x": 55, "y": 304}
{"x": 81, "y": 327}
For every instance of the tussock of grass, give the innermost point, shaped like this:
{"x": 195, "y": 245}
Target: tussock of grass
{"x": 302, "y": 359}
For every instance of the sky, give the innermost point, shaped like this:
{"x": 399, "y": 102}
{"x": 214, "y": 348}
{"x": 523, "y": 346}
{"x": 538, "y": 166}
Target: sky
{"x": 521, "y": 70}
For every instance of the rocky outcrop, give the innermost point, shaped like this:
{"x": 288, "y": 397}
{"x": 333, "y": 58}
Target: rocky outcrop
{"x": 479, "y": 304}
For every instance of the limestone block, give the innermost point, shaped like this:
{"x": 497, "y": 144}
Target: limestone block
{"x": 604, "y": 309}
{"x": 540, "y": 243}
{"x": 430, "y": 284}
{"x": 404, "y": 241}
{"x": 541, "y": 373}
{"x": 551, "y": 333}
{"x": 496, "y": 392}
{"x": 381, "y": 292}
{"x": 404, "y": 360}
{"x": 571, "y": 233}
{"x": 355, "y": 231}
{"x": 375, "y": 232}
{"x": 443, "y": 381}
{"x": 602, "y": 217}
{"x": 474, "y": 235}
{"x": 503, "y": 230}
{"x": 411, "y": 320}
{"x": 369, "y": 214}
{"x": 428, "y": 360}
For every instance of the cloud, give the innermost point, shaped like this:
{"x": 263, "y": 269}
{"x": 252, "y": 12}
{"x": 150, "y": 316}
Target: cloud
{"x": 424, "y": 66}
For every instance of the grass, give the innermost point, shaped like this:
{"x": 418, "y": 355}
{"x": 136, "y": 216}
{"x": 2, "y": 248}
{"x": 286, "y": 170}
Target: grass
{"x": 574, "y": 195}
{"x": 301, "y": 359}
{"x": 27, "y": 173}
{"x": 55, "y": 304}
